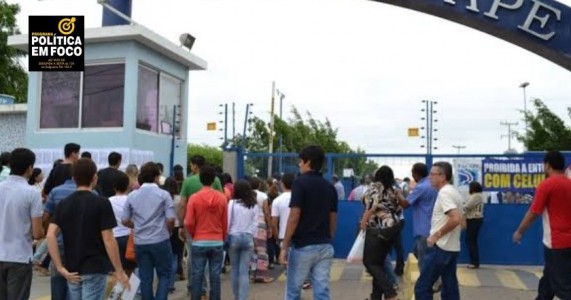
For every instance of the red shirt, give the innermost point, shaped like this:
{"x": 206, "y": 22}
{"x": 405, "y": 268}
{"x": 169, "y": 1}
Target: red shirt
{"x": 207, "y": 215}
{"x": 553, "y": 201}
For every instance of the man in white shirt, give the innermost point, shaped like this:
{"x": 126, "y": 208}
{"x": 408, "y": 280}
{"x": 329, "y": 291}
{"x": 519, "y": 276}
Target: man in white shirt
{"x": 20, "y": 222}
{"x": 338, "y": 187}
{"x": 444, "y": 240}
{"x": 280, "y": 207}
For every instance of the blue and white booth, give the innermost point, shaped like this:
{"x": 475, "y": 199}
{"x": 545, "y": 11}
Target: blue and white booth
{"x": 124, "y": 101}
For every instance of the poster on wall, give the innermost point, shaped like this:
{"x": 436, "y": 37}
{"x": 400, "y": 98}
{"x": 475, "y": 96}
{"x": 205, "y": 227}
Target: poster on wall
{"x": 466, "y": 170}
{"x": 515, "y": 179}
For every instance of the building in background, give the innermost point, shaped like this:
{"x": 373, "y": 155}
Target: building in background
{"x": 123, "y": 101}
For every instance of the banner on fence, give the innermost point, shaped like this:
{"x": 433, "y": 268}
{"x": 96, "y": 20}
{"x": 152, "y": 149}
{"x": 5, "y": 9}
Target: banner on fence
{"x": 513, "y": 175}
{"x": 466, "y": 170}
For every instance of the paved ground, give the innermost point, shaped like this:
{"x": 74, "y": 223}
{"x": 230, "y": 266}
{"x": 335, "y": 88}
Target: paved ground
{"x": 351, "y": 282}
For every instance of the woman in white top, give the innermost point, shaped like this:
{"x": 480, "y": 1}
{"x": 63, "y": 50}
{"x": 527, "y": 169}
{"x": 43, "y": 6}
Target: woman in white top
{"x": 242, "y": 227}
{"x": 121, "y": 232}
{"x": 474, "y": 212}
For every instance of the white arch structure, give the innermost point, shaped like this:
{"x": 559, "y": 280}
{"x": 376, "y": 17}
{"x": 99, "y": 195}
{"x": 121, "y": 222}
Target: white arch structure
{"x": 540, "y": 26}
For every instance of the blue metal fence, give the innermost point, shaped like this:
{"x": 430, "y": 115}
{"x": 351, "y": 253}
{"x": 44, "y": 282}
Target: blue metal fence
{"x": 500, "y": 221}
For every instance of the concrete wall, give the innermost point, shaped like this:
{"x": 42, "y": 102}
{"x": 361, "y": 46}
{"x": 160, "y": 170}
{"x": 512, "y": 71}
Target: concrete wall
{"x": 12, "y": 130}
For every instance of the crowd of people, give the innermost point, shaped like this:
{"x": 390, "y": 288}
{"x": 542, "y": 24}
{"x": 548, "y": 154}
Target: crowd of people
{"x": 106, "y": 222}
{"x": 440, "y": 214}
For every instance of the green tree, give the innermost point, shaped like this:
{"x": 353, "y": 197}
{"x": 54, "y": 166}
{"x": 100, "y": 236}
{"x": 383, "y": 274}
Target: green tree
{"x": 296, "y": 133}
{"x": 213, "y": 155}
{"x": 13, "y": 77}
{"x": 546, "y": 130}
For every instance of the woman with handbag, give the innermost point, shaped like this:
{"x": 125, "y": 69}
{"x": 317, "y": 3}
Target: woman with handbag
{"x": 121, "y": 232}
{"x": 382, "y": 223}
{"x": 242, "y": 227}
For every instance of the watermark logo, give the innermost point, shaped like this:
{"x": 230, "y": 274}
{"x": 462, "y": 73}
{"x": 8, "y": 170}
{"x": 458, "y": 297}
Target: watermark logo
{"x": 66, "y": 26}
{"x": 56, "y": 43}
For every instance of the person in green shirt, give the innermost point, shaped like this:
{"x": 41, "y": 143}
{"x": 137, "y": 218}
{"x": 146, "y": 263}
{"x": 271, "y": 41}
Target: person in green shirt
{"x": 190, "y": 186}
{"x": 192, "y": 183}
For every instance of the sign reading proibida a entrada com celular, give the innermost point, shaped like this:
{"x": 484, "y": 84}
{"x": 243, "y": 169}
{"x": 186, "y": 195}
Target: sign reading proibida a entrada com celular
{"x": 56, "y": 43}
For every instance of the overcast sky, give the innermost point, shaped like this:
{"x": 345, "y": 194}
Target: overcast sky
{"x": 364, "y": 65}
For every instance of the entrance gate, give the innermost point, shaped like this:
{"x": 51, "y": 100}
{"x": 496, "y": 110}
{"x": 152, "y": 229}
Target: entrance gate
{"x": 502, "y": 214}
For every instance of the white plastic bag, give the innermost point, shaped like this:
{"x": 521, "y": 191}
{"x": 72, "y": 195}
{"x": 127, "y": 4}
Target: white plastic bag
{"x": 356, "y": 253}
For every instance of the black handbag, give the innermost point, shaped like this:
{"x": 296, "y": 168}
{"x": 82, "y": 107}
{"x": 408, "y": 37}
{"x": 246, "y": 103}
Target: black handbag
{"x": 387, "y": 233}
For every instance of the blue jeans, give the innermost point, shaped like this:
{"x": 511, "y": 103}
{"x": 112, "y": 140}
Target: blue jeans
{"x": 58, "y": 283}
{"x": 315, "y": 260}
{"x": 240, "y": 251}
{"x": 419, "y": 249}
{"x": 214, "y": 257}
{"x": 438, "y": 263}
{"x": 150, "y": 258}
{"x": 174, "y": 268}
{"x": 91, "y": 287}
{"x": 41, "y": 252}
{"x": 390, "y": 272}
{"x": 189, "y": 267}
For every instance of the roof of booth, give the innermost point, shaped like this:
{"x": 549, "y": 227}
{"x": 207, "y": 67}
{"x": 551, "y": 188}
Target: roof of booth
{"x": 129, "y": 33}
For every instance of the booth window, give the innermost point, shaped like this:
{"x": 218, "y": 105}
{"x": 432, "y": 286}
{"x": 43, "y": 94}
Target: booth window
{"x": 90, "y": 99}
{"x": 103, "y": 96}
{"x": 60, "y": 100}
{"x": 147, "y": 99}
{"x": 170, "y": 96}
{"x": 157, "y": 95}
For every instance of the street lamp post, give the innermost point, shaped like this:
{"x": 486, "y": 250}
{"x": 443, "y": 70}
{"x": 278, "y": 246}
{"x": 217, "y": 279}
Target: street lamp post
{"x": 523, "y": 86}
